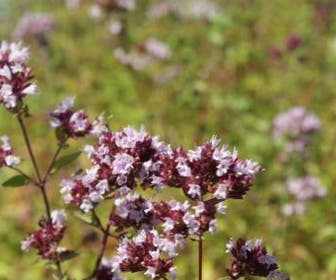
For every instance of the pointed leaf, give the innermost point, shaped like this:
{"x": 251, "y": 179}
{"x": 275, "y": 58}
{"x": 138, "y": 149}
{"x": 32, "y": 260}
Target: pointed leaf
{"x": 89, "y": 219}
{"x": 67, "y": 255}
{"x": 62, "y": 161}
{"x": 16, "y": 181}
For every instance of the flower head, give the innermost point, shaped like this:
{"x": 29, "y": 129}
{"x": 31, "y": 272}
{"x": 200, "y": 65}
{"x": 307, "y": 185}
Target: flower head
{"x": 15, "y": 75}
{"x": 46, "y": 239}
{"x": 70, "y": 122}
{"x": 6, "y": 153}
{"x": 250, "y": 258}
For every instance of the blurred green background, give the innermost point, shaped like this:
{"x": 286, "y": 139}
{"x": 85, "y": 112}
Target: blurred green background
{"x": 229, "y": 72}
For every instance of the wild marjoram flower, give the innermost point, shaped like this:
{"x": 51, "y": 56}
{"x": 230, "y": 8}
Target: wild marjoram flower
{"x": 6, "y": 154}
{"x": 33, "y": 25}
{"x": 298, "y": 126}
{"x": 303, "y": 189}
{"x": 149, "y": 232}
{"x": 251, "y": 258}
{"x": 15, "y": 75}
{"x": 46, "y": 240}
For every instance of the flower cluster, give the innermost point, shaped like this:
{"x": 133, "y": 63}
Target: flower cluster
{"x": 132, "y": 210}
{"x": 303, "y": 189}
{"x": 190, "y": 9}
{"x": 15, "y": 75}
{"x": 133, "y": 59}
{"x": 148, "y": 252}
{"x": 6, "y": 153}
{"x": 75, "y": 123}
{"x": 115, "y": 27}
{"x": 145, "y": 54}
{"x": 178, "y": 220}
{"x": 156, "y": 49}
{"x": 297, "y": 124}
{"x": 118, "y": 159}
{"x": 46, "y": 240}
{"x": 123, "y": 158}
{"x": 162, "y": 8}
{"x": 72, "y": 4}
{"x": 208, "y": 169}
{"x": 33, "y": 24}
{"x": 251, "y": 258}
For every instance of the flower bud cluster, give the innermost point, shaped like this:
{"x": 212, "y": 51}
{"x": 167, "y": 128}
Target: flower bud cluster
{"x": 47, "y": 239}
{"x": 75, "y": 123}
{"x": 251, "y": 258}
{"x": 15, "y": 75}
{"x": 148, "y": 252}
{"x": 6, "y": 153}
{"x": 297, "y": 125}
{"x": 303, "y": 189}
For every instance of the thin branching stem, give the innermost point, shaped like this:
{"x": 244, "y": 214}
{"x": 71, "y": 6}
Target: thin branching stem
{"x": 30, "y": 150}
{"x": 52, "y": 162}
{"x": 39, "y": 182}
{"x": 101, "y": 253}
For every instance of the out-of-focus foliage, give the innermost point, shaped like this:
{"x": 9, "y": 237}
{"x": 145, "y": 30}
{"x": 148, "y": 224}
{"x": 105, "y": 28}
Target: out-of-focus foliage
{"x": 229, "y": 72}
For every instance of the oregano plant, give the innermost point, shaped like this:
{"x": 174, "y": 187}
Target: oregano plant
{"x": 123, "y": 165}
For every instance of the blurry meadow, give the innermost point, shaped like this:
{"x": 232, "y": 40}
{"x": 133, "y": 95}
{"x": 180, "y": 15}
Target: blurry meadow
{"x": 187, "y": 70}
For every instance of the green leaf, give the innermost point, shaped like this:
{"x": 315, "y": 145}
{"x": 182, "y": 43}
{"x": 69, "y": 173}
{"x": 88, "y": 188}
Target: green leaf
{"x": 67, "y": 255}
{"x": 62, "y": 161}
{"x": 16, "y": 181}
{"x": 89, "y": 219}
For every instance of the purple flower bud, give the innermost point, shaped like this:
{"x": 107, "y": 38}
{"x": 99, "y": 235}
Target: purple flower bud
{"x": 293, "y": 41}
{"x": 250, "y": 258}
{"x": 46, "y": 240}
{"x": 144, "y": 253}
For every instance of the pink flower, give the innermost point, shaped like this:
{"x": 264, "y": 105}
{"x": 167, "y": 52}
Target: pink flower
{"x": 15, "y": 75}
{"x": 6, "y": 153}
{"x": 46, "y": 239}
{"x": 251, "y": 258}
{"x": 71, "y": 123}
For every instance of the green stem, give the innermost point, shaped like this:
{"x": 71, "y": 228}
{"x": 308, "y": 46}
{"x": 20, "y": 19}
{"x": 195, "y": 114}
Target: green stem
{"x": 200, "y": 258}
{"x": 30, "y": 150}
